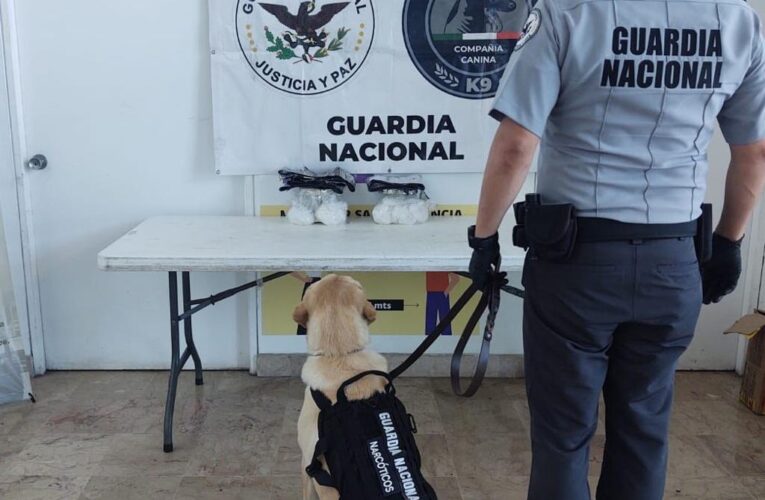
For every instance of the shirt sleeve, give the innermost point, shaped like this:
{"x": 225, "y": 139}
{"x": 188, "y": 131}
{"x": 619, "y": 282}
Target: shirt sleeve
{"x": 742, "y": 117}
{"x": 531, "y": 83}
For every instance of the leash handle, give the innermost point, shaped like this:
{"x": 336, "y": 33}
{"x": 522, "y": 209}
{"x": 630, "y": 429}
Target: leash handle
{"x": 342, "y": 397}
{"x": 489, "y": 299}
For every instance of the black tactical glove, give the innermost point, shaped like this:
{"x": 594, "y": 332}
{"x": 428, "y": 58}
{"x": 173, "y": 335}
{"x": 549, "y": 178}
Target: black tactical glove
{"x": 720, "y": 274}
{"x": 485, "y": 257}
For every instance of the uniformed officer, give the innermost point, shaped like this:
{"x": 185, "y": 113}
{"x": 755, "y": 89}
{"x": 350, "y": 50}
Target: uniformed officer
{"x": 624, "y": 95}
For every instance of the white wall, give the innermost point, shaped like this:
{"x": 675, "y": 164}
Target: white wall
{"x": 710, "y": 349}
{"x": 117, "y": 94}
{"x": 119, "y": 100}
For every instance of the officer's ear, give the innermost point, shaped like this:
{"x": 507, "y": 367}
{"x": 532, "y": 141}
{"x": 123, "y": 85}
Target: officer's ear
{"x": 370, "y": 313}
{"x": 300, "y": 314}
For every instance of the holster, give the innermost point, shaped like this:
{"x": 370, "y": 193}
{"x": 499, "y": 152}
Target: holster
{"x": 703, "y": 239}
{"x": 548, "y": 230}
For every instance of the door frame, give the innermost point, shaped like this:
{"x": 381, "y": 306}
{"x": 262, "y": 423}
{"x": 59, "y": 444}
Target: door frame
{"x": 19, "y": 223}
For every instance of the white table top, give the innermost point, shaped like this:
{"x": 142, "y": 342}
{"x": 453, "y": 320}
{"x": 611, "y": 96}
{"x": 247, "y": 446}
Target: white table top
{"x": 227, "y": 243}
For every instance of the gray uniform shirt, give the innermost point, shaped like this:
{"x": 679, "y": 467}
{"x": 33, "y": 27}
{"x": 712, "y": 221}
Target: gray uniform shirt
{"x": 624, "y": 94}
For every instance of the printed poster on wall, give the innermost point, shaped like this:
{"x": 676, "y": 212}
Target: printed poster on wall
{"x": 372, "y": 85}
{"x": 406, "y": 303}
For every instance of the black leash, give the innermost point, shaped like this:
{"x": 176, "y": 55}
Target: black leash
{"x": 483, "y": 357}
{"x": 436, "y": 333}
{"x": 489, "y": 300}
{"x": 512, "y": 290}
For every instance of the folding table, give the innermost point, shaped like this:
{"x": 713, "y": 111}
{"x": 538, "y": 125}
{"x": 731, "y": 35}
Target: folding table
{"x": 182, "y": 244}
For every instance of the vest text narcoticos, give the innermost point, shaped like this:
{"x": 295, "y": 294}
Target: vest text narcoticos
{"x": 369, "y": 447}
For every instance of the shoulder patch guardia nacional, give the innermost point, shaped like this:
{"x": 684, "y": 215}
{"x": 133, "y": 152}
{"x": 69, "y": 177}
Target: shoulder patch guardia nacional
{"x": 530, "y": 28}
{"x": 305, "y": 47}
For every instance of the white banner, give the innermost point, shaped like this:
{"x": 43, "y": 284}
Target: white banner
{"x": 371, "y": 85}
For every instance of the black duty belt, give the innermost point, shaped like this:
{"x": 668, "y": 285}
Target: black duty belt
{"x": 592, "y": 229}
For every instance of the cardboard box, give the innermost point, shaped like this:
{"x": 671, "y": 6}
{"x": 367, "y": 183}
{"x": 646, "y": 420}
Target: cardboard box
{"x": 752, "y": 393}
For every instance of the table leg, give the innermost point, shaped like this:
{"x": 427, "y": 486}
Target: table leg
{"x": 176, "y": 316}
{"x": 192, "y": 349}
{"x": 175, "y": 365}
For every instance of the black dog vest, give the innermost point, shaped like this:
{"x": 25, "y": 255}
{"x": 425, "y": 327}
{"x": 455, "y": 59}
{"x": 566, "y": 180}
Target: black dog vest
{"x": 369, "y": 447}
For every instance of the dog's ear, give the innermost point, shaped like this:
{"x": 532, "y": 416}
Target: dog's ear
{"x": 370, "y": 313}
{"x": 300, "y": 314}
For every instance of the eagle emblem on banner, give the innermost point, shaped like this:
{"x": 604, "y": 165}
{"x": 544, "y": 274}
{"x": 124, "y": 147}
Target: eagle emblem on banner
{"x": 305, "y": 47}
{"x": 305, "y": 30}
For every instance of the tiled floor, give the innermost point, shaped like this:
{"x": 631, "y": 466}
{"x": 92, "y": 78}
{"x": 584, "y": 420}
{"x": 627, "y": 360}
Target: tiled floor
{"x": 97, "y": 435}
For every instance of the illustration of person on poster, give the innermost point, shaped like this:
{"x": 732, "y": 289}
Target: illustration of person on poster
{"x": 307, "y": 279}
{"x": 438, "y": 286}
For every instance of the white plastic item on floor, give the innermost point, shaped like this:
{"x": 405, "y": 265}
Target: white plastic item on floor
{"x": 401, "y": 209}
{"x": 15, "y": 381}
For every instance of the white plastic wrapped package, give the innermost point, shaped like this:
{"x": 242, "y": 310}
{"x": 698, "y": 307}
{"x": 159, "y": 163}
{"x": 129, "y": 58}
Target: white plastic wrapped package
{"x": 333, "y": 210}
{"x": 404, "y": 200}
{"x": 304, "y": 205}
{"x": 401, "y": 209}
{"x": 317, "y": 205}
{"x": 317, "y": 196}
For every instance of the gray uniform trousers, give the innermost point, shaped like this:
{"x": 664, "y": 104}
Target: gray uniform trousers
{"x": 615, "y": 318}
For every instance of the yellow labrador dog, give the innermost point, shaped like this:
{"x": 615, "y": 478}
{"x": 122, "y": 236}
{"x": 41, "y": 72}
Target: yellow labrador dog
{"x": 336, "y": 315}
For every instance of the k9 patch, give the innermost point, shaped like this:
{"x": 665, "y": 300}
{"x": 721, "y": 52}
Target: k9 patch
{"x": 463, "y": 46}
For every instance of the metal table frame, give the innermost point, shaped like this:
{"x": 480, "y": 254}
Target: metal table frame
{"x": 180, "y": 245}
{"x": 178, "y": 360}
{"x": 193, "y": 306}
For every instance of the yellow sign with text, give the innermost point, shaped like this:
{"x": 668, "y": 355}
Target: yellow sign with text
{"x": 407, "y": 303}
{"x": 357, "y": 211}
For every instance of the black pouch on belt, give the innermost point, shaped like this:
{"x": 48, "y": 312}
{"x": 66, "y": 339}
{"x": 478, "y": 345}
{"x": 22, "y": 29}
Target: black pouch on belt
{"x": 519, "y": 231}
{"x": 551, "y": 230}
{"x": 704, "y": 233}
